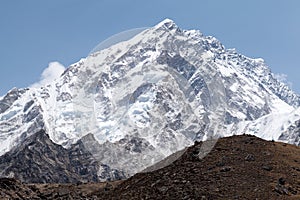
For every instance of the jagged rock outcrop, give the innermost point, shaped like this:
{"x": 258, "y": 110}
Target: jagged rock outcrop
{"x": 128, "y": 106}
{"x": 39, "y": 160}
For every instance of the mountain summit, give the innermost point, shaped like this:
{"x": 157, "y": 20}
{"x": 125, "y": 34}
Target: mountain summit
{"x": 126, "y": 107}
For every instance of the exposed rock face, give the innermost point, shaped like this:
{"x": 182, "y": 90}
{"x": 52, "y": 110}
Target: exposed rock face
{"x": 292, "y": 134}
{"x": 10, "y": 98}
{"x": 39, "y": 160}
{"x": 238, "y": 167}
{"x": 128, "y": 106}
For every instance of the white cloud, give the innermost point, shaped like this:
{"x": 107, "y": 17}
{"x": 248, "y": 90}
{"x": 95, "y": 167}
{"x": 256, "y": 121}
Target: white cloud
{"x": 52, "y": 72}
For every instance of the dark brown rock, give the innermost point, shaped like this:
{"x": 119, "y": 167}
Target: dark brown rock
{"x": 39, "y": 160}
{"x": 190, "y": 178}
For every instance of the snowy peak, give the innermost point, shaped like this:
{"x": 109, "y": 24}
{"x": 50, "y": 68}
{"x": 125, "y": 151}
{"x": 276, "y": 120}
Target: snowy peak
{"x": 142, "y": 99}
{"x": 167, "y": 24}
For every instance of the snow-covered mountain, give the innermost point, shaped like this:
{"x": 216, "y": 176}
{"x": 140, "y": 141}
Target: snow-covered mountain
{"x": 138, "y": 101}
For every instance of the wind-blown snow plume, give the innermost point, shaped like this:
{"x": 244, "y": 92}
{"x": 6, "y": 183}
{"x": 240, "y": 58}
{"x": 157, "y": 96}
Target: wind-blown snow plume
{"x": 52, "y": 72}
{"x": 136, "y": 102}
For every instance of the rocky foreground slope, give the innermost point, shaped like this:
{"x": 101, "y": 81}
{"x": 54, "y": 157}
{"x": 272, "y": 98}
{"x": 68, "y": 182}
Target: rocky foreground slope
{"x": 131, "y": 105}
{"x": 238, "y": 167}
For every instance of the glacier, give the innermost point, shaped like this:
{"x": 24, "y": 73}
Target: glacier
{"x": 138, "y": 101}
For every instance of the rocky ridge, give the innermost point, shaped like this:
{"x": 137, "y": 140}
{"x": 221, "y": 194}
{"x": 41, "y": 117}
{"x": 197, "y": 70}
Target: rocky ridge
{"x": 238, "y": 167}
{"x": 131, "y": 105}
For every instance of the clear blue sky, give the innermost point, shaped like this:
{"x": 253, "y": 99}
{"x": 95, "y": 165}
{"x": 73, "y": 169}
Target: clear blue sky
{"x": 34, "y": 32}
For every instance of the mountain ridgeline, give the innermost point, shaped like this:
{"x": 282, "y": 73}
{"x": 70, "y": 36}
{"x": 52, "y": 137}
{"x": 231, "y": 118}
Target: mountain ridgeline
{"x": 237, "y": 167}
{"x": 129, "y": 106}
